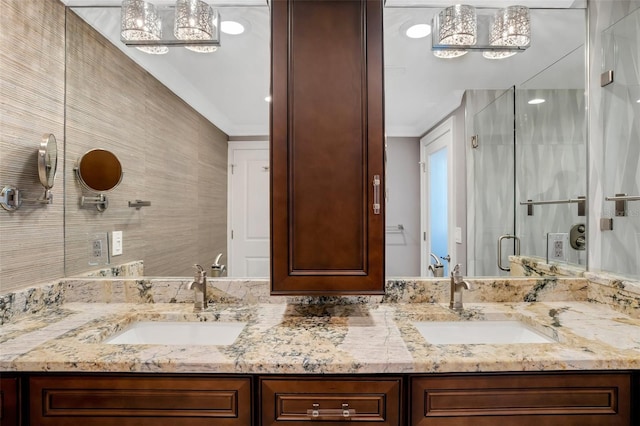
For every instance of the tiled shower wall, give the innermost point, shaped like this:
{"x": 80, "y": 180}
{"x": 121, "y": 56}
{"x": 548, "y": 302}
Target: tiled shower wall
{"x": 621, "y": 121}
{"x": 171, "y": 155}
{"x": 614, "y": 134}
{"x": 551, "y": 161}
{"x": 550, "y": 164}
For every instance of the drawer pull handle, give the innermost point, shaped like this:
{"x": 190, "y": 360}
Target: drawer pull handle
{"x": 344, "y": 412}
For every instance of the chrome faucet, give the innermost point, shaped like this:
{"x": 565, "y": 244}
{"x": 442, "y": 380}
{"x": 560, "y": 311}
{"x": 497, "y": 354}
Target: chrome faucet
{"x": 199, "y": 284}
{"x": 217, "y": 269}
{"x": 457, "y": 285}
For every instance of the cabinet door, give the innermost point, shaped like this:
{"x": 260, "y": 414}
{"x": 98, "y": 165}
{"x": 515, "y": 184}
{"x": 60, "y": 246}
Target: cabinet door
{"x": 61, "y": 400}
{"x": 327, "y": 147}
{"x": 9, "y": 402}
{"x": 580, "y": 399}
{"x": 324, "y": 401}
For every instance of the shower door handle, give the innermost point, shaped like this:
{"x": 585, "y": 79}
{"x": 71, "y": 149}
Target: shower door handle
{"x": 517, "y": 251}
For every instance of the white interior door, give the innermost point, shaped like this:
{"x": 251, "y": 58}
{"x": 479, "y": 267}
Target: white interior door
{"x": 248, "y": 223}
{"x": 437, "y": 197}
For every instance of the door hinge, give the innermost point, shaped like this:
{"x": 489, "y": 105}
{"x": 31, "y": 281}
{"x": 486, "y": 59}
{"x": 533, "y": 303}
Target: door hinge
{"x": 233, "y": 166}
{"x": 232, "y": 234}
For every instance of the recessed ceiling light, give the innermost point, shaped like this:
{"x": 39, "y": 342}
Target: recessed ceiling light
{"x": 267, "y": 98}
{"x": 536, "y": 101}
{"x": 418, "y": 31}
{"x": 638, "y": 101}
{"x": 231, "y": 27}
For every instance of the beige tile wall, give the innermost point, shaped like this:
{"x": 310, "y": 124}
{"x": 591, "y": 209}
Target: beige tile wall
{"x": 170, "y": 154}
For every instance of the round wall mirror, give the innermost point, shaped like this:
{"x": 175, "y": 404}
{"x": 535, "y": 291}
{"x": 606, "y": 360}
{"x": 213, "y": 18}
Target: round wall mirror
{"x": 99, "y": 170}
{"x": 47, "y": 160}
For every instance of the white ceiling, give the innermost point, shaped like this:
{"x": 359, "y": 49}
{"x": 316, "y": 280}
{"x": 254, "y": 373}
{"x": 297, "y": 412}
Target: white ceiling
{"x": 228, "y": 87}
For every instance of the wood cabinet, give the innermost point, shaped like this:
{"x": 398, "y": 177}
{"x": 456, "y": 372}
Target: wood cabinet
{"x": 140, "y": 400}
{"x": 9, "y": 400}
{"x": 322, "y": 401}
{"x": 580, "y": 399}
{"x": 327, "y": 147}
{"x": 523, "y": 399}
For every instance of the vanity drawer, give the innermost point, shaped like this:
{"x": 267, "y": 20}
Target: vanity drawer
{"x": 324, "y": 401}
{"x": 139, "y": 400}
{"x": 554, "y": 399}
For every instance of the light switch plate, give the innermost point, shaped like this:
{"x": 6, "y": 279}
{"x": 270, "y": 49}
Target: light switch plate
{"x": 458, "y": 235}
{"x": 557, "y": 247}
{"x": 116, "y": 243}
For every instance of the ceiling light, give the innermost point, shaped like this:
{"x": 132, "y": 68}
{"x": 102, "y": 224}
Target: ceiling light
{"x": 231, "y": 27}
{"x": 638, "y": 101}
{"x": 511, "y": 27}
{"x": 267, "y": 98}
{"x": 536, "y": 101}
{"x": 196, "y": 20}
{"x": 140, "y": 22}
{"x": 457, "y": 26}
{"x": 418, "y": 31}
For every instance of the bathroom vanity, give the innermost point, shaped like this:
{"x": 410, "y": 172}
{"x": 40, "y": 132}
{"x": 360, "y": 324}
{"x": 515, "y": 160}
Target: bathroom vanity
{"x": 300, "y": 359}
{"x": 561, "y": 398}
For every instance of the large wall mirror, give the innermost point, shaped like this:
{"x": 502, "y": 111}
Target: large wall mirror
{"x": 524, "y": 151}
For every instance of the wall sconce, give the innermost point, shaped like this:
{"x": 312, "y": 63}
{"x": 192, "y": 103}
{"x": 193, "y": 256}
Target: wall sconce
{"x": 511, "y": 27}
{"x": 196, "y": 20}
{"x": 456, "y": 26}
{"x": 196, "y": 26}
{"x": 140, "y": 22}
{"x": 498, "y": 34}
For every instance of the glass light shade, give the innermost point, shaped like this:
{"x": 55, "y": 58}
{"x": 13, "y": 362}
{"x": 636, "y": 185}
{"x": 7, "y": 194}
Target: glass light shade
{"x": 196, "y": 20}
{"x": 139, "y": 21}
{"x": 511, "y": 27}
{"x": 458, "y": 25}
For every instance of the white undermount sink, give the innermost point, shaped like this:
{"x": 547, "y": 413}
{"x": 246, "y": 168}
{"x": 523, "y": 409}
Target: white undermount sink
{"x": 178, "y": 333}
{"x": 479, "y": 332}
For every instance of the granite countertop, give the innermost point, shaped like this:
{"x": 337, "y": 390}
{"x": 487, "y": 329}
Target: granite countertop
{"x": 321, "y": 339}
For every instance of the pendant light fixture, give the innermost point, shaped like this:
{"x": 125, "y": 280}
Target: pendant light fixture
{"x": 140, "y": 22}
{"x": 196, "y": 20}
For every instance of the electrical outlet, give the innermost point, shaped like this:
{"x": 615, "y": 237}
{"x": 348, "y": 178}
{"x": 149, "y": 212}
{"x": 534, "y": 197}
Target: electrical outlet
{"x": 98, "y": 249}
{"x": 557, "y": 247}
{"x": 116, "y": 243}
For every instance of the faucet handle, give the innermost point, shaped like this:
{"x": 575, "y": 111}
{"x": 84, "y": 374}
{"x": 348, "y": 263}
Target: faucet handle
{"x": 456, "y": 271}
{"x": 200, "y": 273}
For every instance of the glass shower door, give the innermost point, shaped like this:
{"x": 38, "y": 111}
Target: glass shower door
{"x": 492, "y": 209}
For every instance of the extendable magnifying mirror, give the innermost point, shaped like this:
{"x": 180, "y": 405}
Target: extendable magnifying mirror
{"x": 11, "y": 198}
{"x": 47, "y": 165}
{"x": 99, "y": 171}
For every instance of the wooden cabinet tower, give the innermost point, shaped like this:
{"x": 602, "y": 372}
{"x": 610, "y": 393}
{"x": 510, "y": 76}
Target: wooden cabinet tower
{"x": 327, "y": 147}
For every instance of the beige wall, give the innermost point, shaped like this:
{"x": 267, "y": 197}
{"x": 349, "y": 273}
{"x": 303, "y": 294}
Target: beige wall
{"x": 170, "y": 155}
{"x": 31, "y": 104}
